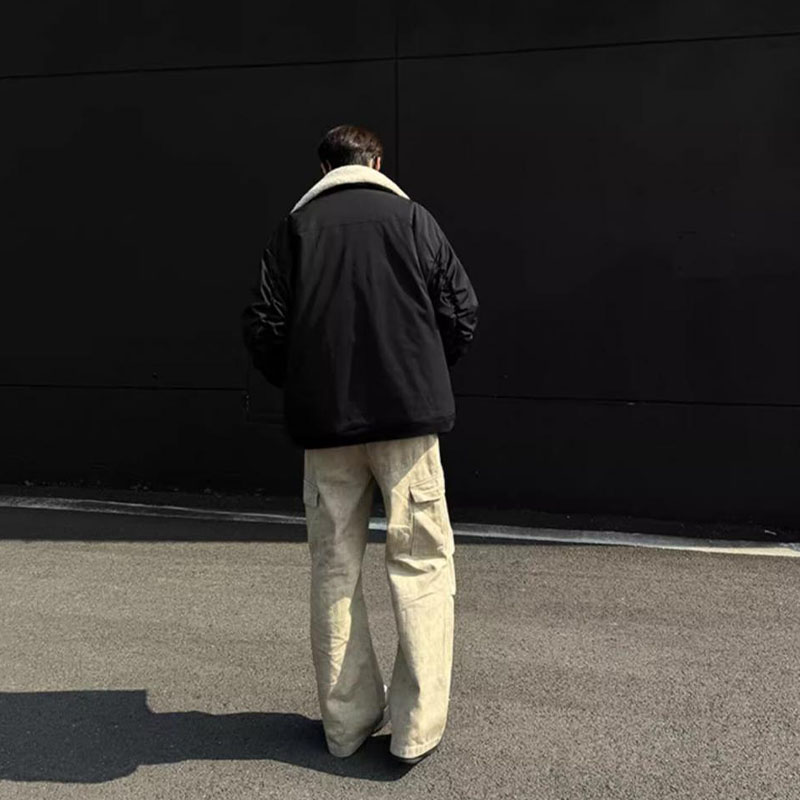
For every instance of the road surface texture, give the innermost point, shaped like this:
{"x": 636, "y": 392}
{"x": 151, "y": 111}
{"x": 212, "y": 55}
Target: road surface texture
{"x": 149, "y": 668}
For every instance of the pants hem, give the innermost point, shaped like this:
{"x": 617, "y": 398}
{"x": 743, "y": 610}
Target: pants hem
{"x": 346, "y": 752}
{"x": 413, "y": 752}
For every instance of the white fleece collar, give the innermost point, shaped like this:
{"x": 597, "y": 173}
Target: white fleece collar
{"x": 349, "y": 173}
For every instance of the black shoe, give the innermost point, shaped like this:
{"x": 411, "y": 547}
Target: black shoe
{"x": 416, "y": 759}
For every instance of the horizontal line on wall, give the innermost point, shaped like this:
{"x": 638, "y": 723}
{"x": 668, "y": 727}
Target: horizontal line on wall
{"x": 125, "y": 387}
{"x": 624, "y": 401}
{"x": 414, "y": 57}
{"x": 196, "y": 68}
{"x": 603, "y": 45}
{"x": 627, "y": 401}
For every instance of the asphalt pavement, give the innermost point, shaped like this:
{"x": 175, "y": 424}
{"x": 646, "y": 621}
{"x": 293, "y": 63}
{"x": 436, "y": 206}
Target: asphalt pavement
{"x": 169, "y": 658}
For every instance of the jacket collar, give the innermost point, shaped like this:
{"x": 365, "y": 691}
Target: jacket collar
{"x": 349, "y": 173}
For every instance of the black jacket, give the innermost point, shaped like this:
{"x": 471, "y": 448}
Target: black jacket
{"x": 361, "y": 307}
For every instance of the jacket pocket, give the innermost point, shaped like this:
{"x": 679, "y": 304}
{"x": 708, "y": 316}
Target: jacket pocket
{"x": 310, "y": 494}
{"x": 429, "y": 529}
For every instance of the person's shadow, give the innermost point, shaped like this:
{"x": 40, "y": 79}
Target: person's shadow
{"x": 95, "y": 736}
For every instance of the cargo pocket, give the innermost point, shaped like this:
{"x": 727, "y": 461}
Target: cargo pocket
{"x": 429, "y": 523}
{"x": 311, "y": 503}
{"x": 310, "y": 494}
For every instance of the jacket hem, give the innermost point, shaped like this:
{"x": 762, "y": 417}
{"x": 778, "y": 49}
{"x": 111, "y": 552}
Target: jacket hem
{"x": 378, "y": 433}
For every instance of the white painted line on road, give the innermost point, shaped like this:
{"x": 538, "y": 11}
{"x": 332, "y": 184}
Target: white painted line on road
{"x": 464, "y": 530}
{"x": 144, "y": 510}
{"x": 789, "y": 549}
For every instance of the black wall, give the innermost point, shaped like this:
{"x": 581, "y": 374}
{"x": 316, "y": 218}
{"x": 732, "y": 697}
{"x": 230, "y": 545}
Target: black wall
{"x": 621, "y": 180}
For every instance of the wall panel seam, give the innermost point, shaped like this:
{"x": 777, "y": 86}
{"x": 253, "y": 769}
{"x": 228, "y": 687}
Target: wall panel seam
{"x": 122, "y": 387}
{"x": 395, "y": 57}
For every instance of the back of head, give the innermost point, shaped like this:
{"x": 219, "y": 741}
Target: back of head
{"x": 349, "y": 144}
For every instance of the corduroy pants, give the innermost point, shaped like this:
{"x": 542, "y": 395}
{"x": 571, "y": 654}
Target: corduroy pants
{"x": 338, "y": 486}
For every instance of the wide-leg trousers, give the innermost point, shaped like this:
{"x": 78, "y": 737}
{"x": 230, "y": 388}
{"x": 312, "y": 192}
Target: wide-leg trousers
{"x": 338, "y": 487}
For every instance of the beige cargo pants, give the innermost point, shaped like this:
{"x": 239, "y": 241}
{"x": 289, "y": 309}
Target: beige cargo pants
{"x": 338, "y": 485}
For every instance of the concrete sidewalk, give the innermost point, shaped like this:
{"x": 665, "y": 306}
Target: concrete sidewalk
{"x": 181, "y": 668}
{"x": 509, "y": 515}
{"x": 283, "y": 519}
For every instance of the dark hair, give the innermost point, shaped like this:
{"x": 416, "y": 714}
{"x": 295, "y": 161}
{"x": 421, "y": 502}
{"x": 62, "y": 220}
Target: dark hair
{"x": 349, "y": 144}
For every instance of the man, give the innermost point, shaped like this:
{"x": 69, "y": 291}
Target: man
{"x": 361, "y": 308}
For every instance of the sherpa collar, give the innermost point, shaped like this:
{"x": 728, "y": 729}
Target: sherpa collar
{"x": 349, "y": 173}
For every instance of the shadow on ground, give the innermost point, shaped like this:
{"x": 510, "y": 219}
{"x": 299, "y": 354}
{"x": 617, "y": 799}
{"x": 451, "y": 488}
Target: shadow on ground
{"x": 51, "y": 525}
{"x": 96, "y": 736}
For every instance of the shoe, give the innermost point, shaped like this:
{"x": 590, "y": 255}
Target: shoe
{"x": 416, "y": 759}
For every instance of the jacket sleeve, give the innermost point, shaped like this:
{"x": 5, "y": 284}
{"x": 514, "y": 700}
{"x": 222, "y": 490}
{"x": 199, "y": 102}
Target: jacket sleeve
{"x": 266, "y": 321}
{"x": 451, "y": 292}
